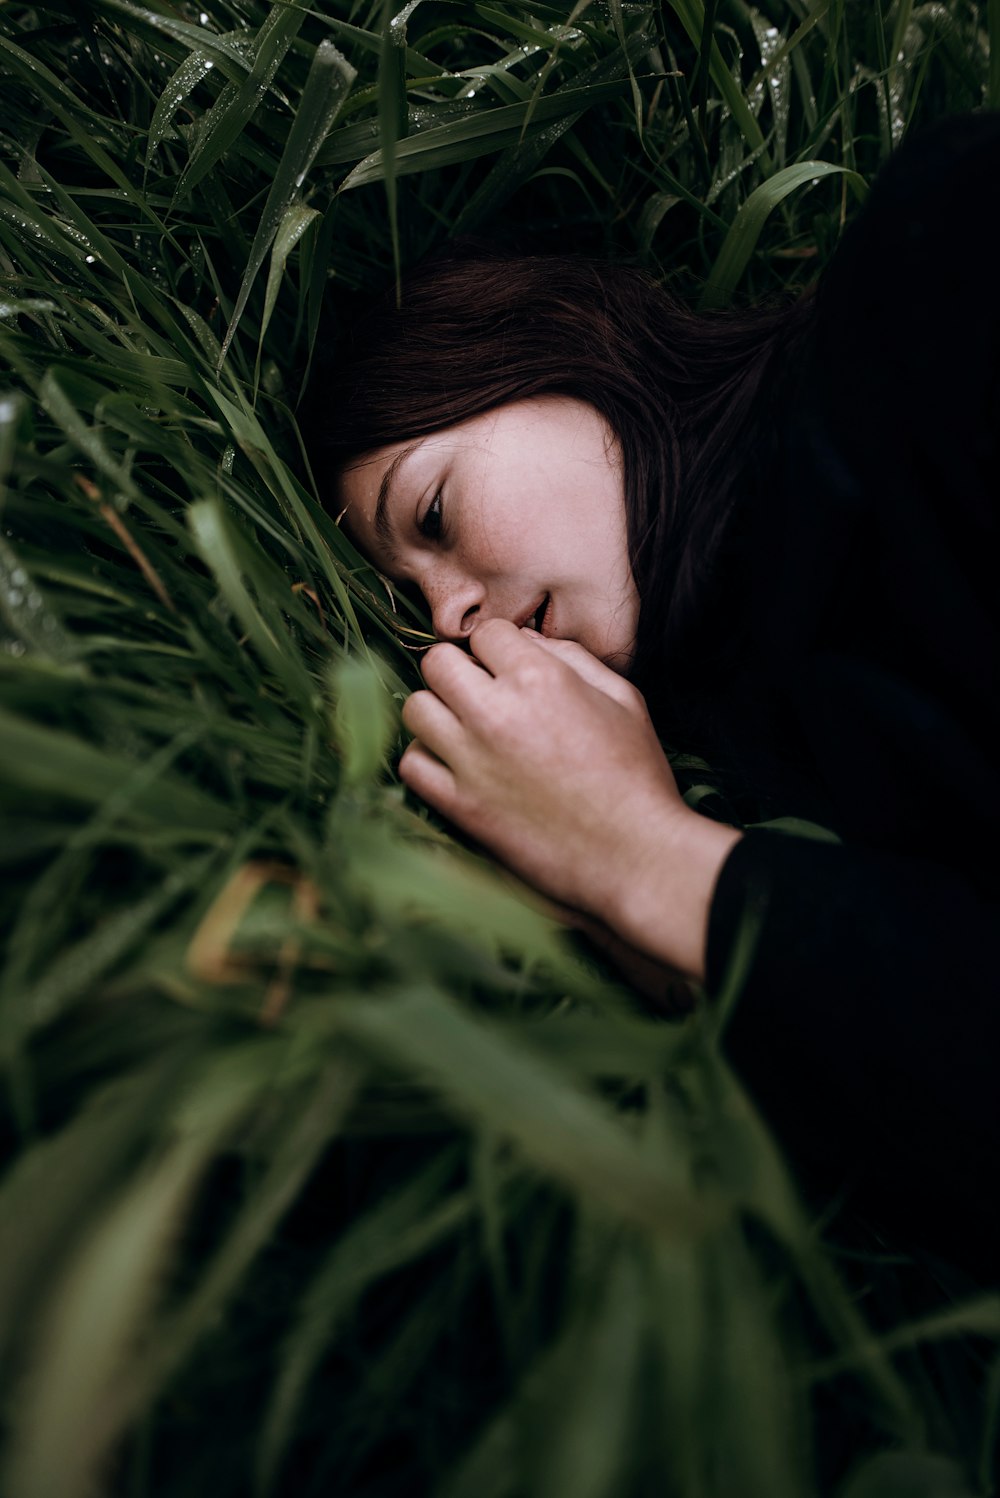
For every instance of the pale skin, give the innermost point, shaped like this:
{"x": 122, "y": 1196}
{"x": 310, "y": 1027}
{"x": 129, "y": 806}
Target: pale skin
{"x": 534, "y": 743}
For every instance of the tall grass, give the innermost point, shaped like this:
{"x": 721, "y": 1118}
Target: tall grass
{"x": 332, "y": 1164}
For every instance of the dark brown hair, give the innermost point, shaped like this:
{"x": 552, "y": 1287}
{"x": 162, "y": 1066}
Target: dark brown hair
{"x": 686, "y": 396}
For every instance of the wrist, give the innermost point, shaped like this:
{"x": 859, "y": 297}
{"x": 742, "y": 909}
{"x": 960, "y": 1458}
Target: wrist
{"x": 662, "y": 906}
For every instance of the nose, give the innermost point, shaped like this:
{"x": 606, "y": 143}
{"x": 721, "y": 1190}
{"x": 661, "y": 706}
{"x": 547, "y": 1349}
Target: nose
{"x": 455, "y": 602}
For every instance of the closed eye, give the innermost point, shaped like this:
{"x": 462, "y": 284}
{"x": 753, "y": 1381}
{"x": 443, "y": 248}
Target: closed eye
{"x": 431, "y": 523}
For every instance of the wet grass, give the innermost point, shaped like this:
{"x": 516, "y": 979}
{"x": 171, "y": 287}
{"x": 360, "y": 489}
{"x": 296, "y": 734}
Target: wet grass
{"x": 331, "y": 1166}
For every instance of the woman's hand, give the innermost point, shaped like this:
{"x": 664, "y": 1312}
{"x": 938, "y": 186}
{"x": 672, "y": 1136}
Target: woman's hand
{"x": 549, "y": 759}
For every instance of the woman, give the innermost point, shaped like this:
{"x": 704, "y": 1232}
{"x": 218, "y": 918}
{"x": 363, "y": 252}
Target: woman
{"x": 779, "y": 532}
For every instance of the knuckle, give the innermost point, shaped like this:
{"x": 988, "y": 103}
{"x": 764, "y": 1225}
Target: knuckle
{"x": 412, "y": 708}
{"x": 407, "y": 761}
{"x": 531, "y": 673}
{"x": 496, "y": 718}
{"x": 413, "y": 768}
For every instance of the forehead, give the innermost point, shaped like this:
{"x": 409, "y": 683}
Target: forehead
{"x": 364, "y": 489}
{"x": 362, "y": 478}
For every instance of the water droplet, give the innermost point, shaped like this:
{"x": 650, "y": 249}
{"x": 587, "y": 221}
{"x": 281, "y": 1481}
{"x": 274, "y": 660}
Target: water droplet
{"x": 90, "y": 259}
{"x": 13, "y": 647}
{"x": 15, "y": 598}
{"x": 203, "y": 17}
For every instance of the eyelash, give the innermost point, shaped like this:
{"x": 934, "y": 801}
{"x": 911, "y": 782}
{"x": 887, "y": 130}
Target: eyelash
{"x": 431, "y": 525}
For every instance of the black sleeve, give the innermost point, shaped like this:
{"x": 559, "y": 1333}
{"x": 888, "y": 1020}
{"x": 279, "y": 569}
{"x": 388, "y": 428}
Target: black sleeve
{"x": 868, "y": 1026}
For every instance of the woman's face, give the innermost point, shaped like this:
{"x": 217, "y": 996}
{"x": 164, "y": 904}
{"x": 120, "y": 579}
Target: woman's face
{"x": 518, "y": 514}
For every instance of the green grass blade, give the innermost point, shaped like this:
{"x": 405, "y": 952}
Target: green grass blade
{"x": 479, "y": 133}
{"x": 392, "y": 110}
{"x": 364, "y": 720}
{"x": 392, "y": 1234}
{"x": 908, "y": 1474}
{"x": 556, "y": 1127}
{"x": 294, "y": 1153}
{"x": 76, "y": 1395}
{"x": 233, "y": 565}
{"x": 199, "y": 40}
{"x": 524, "y": 159}
{"x": 79, "y": 966}
{"x": 47, "y": 761}
{"x": 297, "y": 220}
{"x": 326, "y": 87}
{"x": 741, "y": 241}
{"x": 192, "y": 71}
{"x": 691, "y": 14}
{"x": 234, "y": 110}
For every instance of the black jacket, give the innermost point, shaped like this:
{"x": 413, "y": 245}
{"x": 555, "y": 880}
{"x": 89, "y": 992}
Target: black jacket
{"x": 868, "y": 1029}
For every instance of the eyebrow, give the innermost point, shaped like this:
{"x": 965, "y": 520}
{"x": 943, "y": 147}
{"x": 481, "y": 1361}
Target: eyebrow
{"x": 382, "y": 522}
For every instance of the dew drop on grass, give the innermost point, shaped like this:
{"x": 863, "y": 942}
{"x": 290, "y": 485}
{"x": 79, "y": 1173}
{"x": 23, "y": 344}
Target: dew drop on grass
{"x": 768, "y": 42}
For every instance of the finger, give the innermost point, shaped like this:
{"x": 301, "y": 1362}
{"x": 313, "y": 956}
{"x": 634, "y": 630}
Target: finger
{"x": 587, "y": 666}
{"x": 432, "y": 722}
{"x": 427, "y": 777}
{"x": 454, "y": 677}
{"x": 498, "y": 644}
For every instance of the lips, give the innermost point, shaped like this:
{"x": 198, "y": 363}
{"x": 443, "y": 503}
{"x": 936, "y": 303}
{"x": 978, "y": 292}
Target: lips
{"x": 539, "y": 616}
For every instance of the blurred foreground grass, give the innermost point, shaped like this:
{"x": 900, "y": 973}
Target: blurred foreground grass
{"x": 331, "y": 1166}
